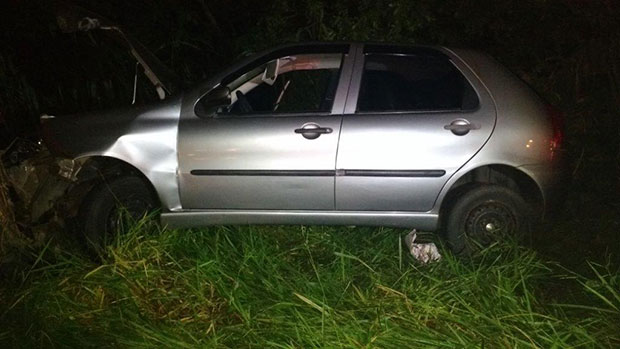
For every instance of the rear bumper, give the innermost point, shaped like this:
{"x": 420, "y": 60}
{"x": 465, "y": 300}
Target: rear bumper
{"x": 554, "y": 183}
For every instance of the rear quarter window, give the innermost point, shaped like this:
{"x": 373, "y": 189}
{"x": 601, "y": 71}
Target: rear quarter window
{"x": 416, "y": 82}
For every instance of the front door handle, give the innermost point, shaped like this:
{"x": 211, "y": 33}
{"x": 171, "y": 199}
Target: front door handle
{"x": 461, "y": 127}
{"x": 313, "y": 131}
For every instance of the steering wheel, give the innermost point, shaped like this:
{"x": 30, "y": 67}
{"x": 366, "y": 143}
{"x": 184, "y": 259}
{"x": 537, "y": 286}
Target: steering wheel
{"x": 244, "y": 104}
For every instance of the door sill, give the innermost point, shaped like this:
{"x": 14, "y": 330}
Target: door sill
{"x": 195, "y": 218}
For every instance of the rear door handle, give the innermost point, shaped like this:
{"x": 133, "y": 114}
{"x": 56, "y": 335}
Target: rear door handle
{"x": 313, "y": 131}
{"x": 461, "y": 127}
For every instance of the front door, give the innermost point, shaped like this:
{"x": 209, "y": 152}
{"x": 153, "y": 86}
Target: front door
{"x": 274, "y": 146}
{"x": 414, "y": 121}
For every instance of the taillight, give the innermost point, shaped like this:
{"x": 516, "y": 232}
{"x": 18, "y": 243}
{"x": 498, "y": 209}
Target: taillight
{"x": 557, "y": 125}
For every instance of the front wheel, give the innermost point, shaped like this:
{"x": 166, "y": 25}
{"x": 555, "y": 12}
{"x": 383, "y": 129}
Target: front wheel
{"x": 105, "y": 208}
{"x": 483, "y": 215}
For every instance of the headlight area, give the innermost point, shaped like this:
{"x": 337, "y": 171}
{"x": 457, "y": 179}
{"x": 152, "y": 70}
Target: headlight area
{"x": 37, "y": 184}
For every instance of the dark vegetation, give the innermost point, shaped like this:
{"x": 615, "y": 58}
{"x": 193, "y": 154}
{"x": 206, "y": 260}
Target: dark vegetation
{"x": 297, "y": 286}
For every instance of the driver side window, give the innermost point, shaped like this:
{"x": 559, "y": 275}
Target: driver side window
{"x": 300, "y": 84}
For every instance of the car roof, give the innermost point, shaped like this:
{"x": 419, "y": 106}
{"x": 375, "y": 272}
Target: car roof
{"x": 256, "y": 59}
{"x": 336, "y": 46}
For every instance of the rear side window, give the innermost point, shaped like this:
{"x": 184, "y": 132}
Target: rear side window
{"x": 413, "y": 83}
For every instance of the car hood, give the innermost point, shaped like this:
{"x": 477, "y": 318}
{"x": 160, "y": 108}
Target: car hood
{"x": 71, "y": 18}
{"x": 94, "y": 133}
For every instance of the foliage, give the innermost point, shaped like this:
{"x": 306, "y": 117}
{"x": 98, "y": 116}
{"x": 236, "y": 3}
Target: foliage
{"x": 7, "y": 216}
{"x": 299, "y": 287}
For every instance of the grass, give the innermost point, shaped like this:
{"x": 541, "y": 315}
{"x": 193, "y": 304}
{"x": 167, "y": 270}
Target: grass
{"x": 298, "y": 286}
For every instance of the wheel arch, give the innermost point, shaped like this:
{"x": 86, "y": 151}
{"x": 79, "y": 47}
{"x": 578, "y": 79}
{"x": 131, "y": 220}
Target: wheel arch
{"x": 95, "y": 169}
{"x": 499, "y": 174}
{"x": 102, "y": 166}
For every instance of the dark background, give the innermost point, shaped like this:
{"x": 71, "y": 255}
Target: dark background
{"x": 568, "y": 50}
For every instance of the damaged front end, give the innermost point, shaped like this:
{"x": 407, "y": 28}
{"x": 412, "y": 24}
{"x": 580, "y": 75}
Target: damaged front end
{"x": 39, "y": 183}
{"x": 41, "y": 189}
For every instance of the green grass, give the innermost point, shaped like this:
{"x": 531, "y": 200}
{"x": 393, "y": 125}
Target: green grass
{"x": 301, "y": 287}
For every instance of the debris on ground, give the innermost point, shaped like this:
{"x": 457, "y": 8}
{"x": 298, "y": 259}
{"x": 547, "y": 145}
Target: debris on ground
{"x": 424, "y": 252}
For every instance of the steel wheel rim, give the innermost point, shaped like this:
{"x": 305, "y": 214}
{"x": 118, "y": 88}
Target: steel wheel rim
{"x": 489, "y": 221}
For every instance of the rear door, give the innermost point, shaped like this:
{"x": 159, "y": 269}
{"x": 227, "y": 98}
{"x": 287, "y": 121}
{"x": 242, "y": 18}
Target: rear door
{"x": 413, "y": 117}
{"x": 274, "y": 146}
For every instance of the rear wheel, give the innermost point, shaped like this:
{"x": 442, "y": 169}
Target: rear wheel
{"x": 483, "y": 215}
{"x": 106, "y": 209}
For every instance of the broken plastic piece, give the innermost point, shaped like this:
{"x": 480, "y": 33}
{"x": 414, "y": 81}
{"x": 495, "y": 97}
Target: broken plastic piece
{"x": 423, "y": 252}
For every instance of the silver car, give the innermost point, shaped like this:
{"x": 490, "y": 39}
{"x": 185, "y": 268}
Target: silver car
{"x": 433, "y": 138}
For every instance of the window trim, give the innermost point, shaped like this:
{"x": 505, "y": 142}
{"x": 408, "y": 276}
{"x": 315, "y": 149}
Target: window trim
{"x": 342, "y": 88}
{"x": 421, "y": 112}
{"x": 272, "y": 115}
{"x": 328, "y": 86}
{"x": 292, "y": 50}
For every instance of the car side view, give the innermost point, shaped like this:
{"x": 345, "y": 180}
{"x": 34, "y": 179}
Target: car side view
{"x": 433, "y": 138}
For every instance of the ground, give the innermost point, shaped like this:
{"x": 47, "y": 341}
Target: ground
{"x": 296, "y": 286}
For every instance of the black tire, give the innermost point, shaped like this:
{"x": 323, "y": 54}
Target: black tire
{"x": 485, "y": 214}
{"x": 105, "y": 208}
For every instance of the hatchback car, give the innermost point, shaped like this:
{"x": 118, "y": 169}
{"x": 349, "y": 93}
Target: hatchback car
{"x": 327, "y": 133}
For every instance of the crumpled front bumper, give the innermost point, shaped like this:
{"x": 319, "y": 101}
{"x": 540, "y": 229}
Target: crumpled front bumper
{"x": 35, "y": 183}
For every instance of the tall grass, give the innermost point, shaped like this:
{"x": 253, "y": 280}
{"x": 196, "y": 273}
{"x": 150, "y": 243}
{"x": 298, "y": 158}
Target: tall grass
{"x": 297, "y": 287}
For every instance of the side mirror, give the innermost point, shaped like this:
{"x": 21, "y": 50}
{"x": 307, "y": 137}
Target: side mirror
{"x": 210, "y": 103}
